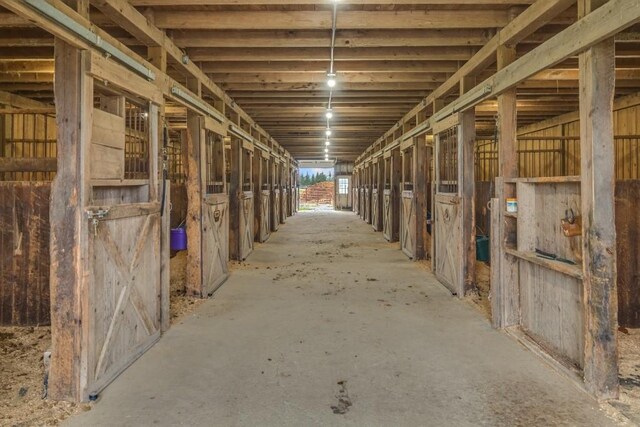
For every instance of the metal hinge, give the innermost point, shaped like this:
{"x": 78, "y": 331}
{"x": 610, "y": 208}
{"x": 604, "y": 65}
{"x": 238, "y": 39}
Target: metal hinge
{"x": 95, "y": 216}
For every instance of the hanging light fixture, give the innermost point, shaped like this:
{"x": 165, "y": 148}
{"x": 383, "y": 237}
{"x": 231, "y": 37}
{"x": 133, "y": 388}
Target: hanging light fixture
{"x": 326, "y": 150}
{"x": 327, "y": 143}
{"x": 329, "y": 114}
{"x": 327, "y": 132}
{"x": 331, "y": 81}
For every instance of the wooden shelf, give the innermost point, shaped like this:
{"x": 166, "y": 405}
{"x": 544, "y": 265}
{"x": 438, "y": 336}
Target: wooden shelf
{"x": 511, "y": 214}
{"x": 545, "y": 180}
{"x": 574, "y": 271}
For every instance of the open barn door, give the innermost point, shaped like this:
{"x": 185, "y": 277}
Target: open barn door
{"x": 454, "y": 220}
{"x": 106, "y": 223}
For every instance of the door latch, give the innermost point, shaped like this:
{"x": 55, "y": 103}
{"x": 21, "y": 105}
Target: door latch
{"x": 95, "y": 216}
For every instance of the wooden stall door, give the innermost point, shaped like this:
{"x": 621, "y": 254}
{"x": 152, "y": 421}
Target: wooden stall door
{"x": 246, "y": 224}
{"x": 375, "y": 212}
{"x": 448, "y": 230}
{"x": 283, "y": 206}
{"x": 124, "y": 282}
{"x": 215, "y": 241}
{"x": 265, "y": 216}
{"x": 408, "y": 224}
{"x": 275, "y": 210}
{"x": 356, "y": 200}
{"x": 387, "y": 215}
{"x": 367, "y": 204}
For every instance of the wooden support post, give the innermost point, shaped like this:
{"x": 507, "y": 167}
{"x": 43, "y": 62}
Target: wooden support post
{"x": 438, "y": 104}
{"x": 194, "y": 283}
{"x": 157, "y": 56}
{"x": 396, "y": 193}
{"x": 235, "y": 193}
{"x": 466, "y": 178}
{"x": 419, "y": 189}
{"x": 597, "y": 88}
{"x": 69, "y": 192}
{"x": 466, "y": 188}
{"x": 504, "y": 268}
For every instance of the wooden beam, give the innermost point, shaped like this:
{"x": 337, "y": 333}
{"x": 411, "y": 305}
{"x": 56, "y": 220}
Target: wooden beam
{"x": 597, "y": 188}
{"x": 18, "y": 101}
{"x": 125, "y": 15}
{"x": 321, "y": 66}
{"x": 603, "y": 23}
{"x": 322, "y": 38}
{"x": 456, "y": 53}
{"x": 321, "y": 77}
{"x": 349, "y": 19}
{"x": 315, "y": 2}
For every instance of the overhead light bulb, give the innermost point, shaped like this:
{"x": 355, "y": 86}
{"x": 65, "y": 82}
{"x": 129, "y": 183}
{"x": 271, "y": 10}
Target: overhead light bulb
{"x": 327, "y": 142}
{"x": 328, "y": 132}
{"x": 331, "y": 82}
{"x": 326, "y": 157}
{"x": 326, "y": 150}
{"x": 329, "y": 114}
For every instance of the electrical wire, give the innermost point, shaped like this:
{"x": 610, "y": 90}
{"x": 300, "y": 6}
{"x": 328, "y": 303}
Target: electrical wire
{"x": 332, "y": 56}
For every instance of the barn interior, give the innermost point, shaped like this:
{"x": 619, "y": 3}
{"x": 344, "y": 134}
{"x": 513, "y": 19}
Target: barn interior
{"x": 485, "y": 153}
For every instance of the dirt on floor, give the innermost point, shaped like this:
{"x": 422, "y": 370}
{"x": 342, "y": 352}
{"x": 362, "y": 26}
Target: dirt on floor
{"x": 629, "y": 374}
{"x": 22, "y": 376}
{"x": 22, "y": 370}
{"x": 480, "y": 297}
{"x": 181, "y": 304}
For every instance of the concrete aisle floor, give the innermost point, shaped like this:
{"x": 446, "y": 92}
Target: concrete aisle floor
{"x": 327, "y": 317}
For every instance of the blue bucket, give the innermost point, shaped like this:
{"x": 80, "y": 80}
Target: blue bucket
{"x": 178, "y": 240}
{"x": 482, "y": 248}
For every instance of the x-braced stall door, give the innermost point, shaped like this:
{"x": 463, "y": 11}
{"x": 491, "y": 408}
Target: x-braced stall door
{"x": 215, "y": 209}
{"x": 106, "y": 227}
{"x": 123, "y": 232}
{"x": 376, "y": 194}
{"x": 448, "y": 215}
{"x": 390, "y": 211}
{"x": 262, "y": 182}
{"x": 244, "y": 193}
{"x": 408, "y": 202}
{"x": 275, "y": 197}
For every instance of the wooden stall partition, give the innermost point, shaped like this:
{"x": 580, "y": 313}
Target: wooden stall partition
{"x": 24, "y": 253}
{"x": 362, "y": 190}
{"x": 391, "y": 202}
{"x": 105, "y": 223}
{"x": 242, "y": 210}
{"x": 284, "y": 190}
{"x": 262, "y": 189}
{"x": 355, "y": 191}
{"x": 27, "y": 166}
{"x": 454, "y": 221}
{"x": 377, "y": 193}
{"x": 275, "y": 193}
{"x": 367, "y": 191}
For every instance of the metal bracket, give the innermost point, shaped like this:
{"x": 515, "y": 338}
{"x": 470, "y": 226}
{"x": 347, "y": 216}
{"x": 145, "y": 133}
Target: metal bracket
{"x": 95, "y": 216}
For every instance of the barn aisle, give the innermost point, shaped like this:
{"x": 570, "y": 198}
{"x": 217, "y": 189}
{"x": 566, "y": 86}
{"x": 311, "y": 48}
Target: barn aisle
{"x": 328, "y": 324}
